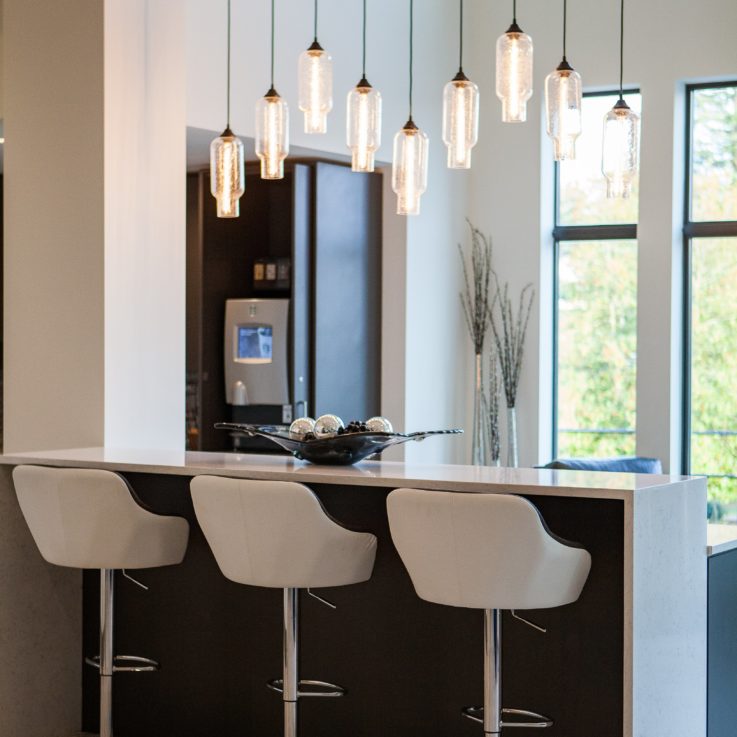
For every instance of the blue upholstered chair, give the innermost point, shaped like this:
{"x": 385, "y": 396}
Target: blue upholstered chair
{"x": 622, "y": 464}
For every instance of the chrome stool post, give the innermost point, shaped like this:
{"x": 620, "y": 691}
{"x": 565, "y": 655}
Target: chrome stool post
{"x": 291, "y": 665}
{"x": 492, "y": 671}
{"x": 490, "y": 714}
{"x": 107, "y": 595}
{"x": 290, "y": 686}
{"x": 107, "y": 662}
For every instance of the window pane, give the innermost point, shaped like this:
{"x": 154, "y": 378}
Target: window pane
{"x": 582, "y": 190}
{"x": 597, "y": 334}
{"x": 714, "y": 154}
{"x": 714, "y": 368}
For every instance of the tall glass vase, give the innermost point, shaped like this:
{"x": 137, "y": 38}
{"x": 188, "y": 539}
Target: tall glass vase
{"x": 512, "y": 452}
{"x": 478, "y": 437}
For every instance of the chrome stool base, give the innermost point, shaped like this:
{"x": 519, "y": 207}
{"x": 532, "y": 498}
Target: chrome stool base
{"x": 289, "y": 685}
{"x": 329, "y": 690}
{"x": 491, "y": 713}
{"x": 476, "y": 714}
{"x": 106, "y": 662}
{"x": 144, "y": 665}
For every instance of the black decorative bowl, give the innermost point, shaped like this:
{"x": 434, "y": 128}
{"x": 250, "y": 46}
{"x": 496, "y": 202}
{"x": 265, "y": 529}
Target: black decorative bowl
{"x": 338, "y": 450}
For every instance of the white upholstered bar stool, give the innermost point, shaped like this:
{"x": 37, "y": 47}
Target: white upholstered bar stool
{"x": 276, "y": 534}
{"x": 88, "y": 518}
{"x": 490, "y": 552}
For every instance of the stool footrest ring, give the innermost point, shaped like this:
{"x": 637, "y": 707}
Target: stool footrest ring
{"x": 541, "y": 722}
{"x": 322, "y": 689}
{"x": 476, "y": 714}
{"x": 137, "y": 664}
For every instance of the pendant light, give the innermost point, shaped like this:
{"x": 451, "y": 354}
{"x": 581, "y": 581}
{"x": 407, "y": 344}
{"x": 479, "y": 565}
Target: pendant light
{"x": 272, "y": 125}
{"x": 227, "y": 178}
{"x": 514, "y": 71}
{"x": 460, "y": 113}
{"x": 315, "y": 76}
{"x": 409, "y": 167}
{"x": 620, "y": 151}
{"x": 363, "y": 118}
{"x": 563, "y": 104}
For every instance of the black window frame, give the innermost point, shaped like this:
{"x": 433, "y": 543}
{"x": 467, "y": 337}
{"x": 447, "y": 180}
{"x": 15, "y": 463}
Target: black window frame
{"x": 562, "y": 233}
{"x": 693, "y": 229}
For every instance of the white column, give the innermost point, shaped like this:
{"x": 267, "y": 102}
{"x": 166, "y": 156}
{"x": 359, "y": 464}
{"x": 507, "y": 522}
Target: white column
{"x": 145, "y": 216}
{"x": 660, "y": 277}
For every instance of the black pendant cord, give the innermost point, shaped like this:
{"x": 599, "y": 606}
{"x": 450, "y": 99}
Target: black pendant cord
{"x": 363, "y": 55}
{"x": 621, "y": 51}
{"x": 272, "y": 44}
{"x": 460, "y": 45}
{"x": 514, "y": 12}
{"x": 227, "y": 104}
{"x": 565, "y": 23}
{"x": 315, "y": 21}
{"x": 411, "y": 52}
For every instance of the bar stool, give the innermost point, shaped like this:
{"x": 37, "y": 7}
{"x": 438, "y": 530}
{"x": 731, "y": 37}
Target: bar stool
{"x": 88, "y": 518}
{"x": 490, "y": 552}
{"x": 276, "y": 534}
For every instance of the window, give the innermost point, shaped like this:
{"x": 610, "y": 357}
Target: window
{"x": 710, "y": 248}
{"x": 595, "y": 309}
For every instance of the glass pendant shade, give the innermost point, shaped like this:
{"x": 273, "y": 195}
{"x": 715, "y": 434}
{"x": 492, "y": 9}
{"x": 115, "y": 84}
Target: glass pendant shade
{"x": 315, "y": 74}
{"x": 563, "y": 110}
{"x": 409, "y": 169}
{"x": 227, "y": 178}
{"x": 363, "y": 125}
{"x": 620, "y": 149}
{"x": 460, "y": 120}
{"x": 272, "y": 134}
{"x": 514, "y": 73}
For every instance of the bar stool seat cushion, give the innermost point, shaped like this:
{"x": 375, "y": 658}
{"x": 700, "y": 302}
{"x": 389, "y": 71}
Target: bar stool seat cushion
{"x": 277, "y": 534}
{"x": 89, "y": 518}
{"x": 483, "y": 551}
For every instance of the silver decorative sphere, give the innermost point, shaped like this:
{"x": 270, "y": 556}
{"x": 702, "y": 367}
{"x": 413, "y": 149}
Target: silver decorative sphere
{"x": 327, "y": 425}
{"x": 379, "y": 424}
{"x": 300, "y": 427}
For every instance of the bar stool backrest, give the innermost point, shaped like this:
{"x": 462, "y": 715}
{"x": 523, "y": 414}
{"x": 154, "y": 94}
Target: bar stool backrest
{"x": 277, "y": 534}
{"x": 88, "y": 518}
{"x": 483, "y": 551}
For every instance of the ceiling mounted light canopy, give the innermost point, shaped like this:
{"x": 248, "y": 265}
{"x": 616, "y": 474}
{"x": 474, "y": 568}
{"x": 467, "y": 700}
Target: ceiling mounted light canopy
{"x": 460, "y": 113}
{"x": 315, "y": 77}
{"x": 409, "y": 167}
{"x": 563, "y": 93}
{"x": 620, "y": 151}
{"x": 227, "y": 177}
{"x": 363, "y": 117}
{"x": 272, "y": 125}
{"x": 514, "y": 71}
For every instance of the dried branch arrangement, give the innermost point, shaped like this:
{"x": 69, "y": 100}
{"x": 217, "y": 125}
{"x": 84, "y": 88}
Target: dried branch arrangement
{"x": 509, "y": 332}
{"x": 492, "y": 400}
{"x": 476, "y": 297}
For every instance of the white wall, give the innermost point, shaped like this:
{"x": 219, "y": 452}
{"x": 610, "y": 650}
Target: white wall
{"x": 94, "y": 223}
{"x": 668, "y": 42}
{"x": 53, "y": 199}
{"x": 424, "y": 376}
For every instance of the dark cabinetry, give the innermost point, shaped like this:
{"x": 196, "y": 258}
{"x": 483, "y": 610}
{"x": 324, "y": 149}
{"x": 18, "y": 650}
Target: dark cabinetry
{"x": 319, "y": 229}
{"x": 722, "y": 645}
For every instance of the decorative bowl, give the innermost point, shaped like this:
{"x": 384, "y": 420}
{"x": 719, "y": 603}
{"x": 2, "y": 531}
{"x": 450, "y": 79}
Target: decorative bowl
{"x": 338, "y": 450}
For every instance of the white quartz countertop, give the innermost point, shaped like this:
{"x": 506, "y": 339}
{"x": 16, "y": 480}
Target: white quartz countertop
{"x": 720, "y": 538}
{"x": 367, "y": 473}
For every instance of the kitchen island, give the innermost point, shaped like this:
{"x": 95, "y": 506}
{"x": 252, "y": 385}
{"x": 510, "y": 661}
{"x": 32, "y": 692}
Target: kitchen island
{"x": 626, "y": 660}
